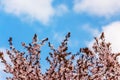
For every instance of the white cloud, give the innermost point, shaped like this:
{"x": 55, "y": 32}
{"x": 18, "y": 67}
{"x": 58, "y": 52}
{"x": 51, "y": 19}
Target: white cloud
{"x": 88, "y": 28}
{"x": 106, "y": 8}
{"x": 40, "y": 10}
{"x": 2, "y": 66}
{"x": 112, "y": 32}
{"x": 58, "y": 37}
{"x": 3, "y": 75}
{"x": 93, "y": 31}
{"x": 61, "y": 9}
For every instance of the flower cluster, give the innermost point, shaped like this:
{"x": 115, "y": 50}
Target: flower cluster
{"x": 96, "y": 64}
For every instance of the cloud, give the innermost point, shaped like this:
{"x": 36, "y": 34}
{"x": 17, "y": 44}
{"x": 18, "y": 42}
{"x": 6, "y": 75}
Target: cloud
{"x": 3, "y": 75}
{"x": 61, "y": 9}
{"x": 40, "y": 10}
{"x": 58, "y": 37}
{"x": 112, "y": 32}
{"x": 106, "y": 8}
{"x": 2, "y": 66}
{"x": 90, "y": 30}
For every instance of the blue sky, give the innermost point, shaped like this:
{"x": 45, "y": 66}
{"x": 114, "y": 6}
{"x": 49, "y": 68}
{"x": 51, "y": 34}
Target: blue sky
{"x": 21, "y": 19}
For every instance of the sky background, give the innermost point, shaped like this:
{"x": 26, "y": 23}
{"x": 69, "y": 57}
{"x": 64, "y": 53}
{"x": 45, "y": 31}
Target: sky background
{"x": 85, "y": 19}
